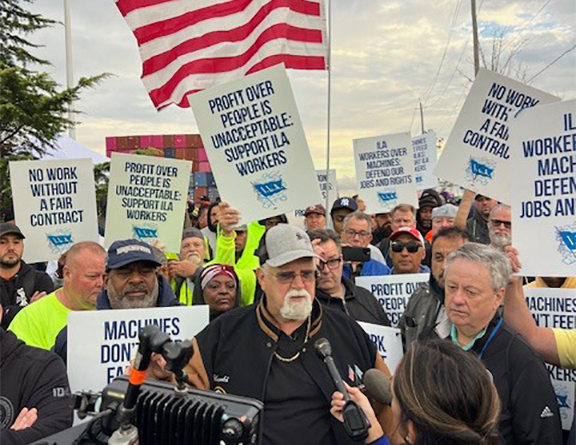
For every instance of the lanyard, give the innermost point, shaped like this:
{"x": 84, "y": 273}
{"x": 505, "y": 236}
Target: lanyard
{"x": 492, "y": 334}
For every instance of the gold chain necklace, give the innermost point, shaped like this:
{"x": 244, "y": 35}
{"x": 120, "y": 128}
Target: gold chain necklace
{"x": 294, "y": 357}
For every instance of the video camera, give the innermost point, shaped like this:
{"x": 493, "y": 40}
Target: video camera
{"x": 134, "y": 411}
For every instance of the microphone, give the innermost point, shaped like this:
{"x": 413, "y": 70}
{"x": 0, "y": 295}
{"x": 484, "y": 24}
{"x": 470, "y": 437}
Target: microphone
{"x": 378, "y": 386}
{"x": 355, "y": 422}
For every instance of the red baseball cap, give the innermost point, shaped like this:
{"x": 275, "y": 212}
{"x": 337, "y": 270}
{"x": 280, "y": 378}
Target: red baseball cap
{"x": 402, "y": 230}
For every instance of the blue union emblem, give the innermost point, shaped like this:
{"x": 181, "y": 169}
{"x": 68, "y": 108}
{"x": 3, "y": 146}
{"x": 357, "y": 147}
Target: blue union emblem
{"x": 479, "y": 169}
{"x": 59, "y": 240}
{"x": 391, "y": 196}
{"x": 144, "y": 232}
{"x": 268, "y": 189}
{"x": 566, "y": 236}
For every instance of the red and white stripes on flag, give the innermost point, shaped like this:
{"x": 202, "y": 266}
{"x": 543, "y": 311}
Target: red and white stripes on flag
{"x": 190, "y": 45}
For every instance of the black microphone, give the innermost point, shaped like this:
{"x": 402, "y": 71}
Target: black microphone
{"x": 355, "y": 422}
{"x": 378, "y": 386}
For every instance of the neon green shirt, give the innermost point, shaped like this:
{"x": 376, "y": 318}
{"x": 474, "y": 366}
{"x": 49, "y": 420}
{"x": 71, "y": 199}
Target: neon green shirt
{"x": 39, "y": 323}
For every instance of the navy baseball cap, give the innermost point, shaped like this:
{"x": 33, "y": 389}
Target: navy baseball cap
{"x": 344, "y": 203}
{"x": 122, "y": 253}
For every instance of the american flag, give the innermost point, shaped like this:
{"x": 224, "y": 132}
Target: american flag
{"x": 190, "y": 45}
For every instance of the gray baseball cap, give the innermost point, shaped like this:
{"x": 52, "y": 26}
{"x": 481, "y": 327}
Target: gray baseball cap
{"x": 445, "y": 211}
{"x": 286, "y": 243}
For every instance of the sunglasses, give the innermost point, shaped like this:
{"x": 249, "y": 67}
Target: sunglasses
{"x": 411, "y": 246}
{"x": 498, "y": 222}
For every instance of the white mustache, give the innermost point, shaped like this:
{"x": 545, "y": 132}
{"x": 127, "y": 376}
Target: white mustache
{"x": 298, "y": 293}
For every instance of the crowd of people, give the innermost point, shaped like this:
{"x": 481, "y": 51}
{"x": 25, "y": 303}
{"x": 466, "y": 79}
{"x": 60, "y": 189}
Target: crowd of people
{"x": 473, "y": 372}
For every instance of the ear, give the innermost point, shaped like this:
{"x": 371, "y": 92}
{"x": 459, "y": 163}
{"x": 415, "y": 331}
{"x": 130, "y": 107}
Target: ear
{"x": 66, "y": 272}
{"x": 411, "y": 432}
{"x": 106, "y": 278}
{"x": 499, "y": 298}
{"x": 260, "y": 277}
{"x": 370, "y": 240}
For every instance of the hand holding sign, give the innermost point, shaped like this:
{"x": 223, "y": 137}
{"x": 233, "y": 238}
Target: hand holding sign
{"x": 228, "y": 218}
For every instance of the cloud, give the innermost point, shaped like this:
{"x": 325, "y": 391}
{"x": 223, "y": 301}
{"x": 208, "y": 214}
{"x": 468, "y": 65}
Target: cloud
{"x": 385, "y": 57}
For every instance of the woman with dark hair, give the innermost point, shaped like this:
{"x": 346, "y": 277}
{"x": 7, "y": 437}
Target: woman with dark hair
{"x": 218, "y": 287}
{"x": 441, "y": 395}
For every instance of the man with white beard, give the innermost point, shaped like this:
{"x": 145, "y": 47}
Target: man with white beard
{"x": 266, "y": 351}
{"x": 500, "y": 226}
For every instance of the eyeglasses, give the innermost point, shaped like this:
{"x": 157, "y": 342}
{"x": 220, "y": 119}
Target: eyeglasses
{"x": 352, "y": 233}
{"x": 498, "y": 222}
{"x": 332, "y": 264}
{"x": 411, "y": 246}
{"x": 308, "y": 276}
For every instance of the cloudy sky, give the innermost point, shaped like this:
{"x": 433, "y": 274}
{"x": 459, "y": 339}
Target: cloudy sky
{"x": 386, "y": 55}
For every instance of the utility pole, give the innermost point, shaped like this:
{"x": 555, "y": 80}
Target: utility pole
{"x": 469, "y": 195}
{"x": 421, "y": 116}
{"x": 475, "y": 38}
{"x": 69, "y": 73}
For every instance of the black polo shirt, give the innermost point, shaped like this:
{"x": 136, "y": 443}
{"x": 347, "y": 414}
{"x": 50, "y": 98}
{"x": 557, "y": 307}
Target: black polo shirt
{"x": 299, "y": 406}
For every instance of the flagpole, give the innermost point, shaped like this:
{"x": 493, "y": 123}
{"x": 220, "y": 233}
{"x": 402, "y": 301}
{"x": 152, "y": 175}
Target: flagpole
{"x": 329, "y": 66}
{"x": 69, "y": 72}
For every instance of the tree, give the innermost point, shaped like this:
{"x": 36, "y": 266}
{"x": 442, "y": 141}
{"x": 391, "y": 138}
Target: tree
{"x": 32, "y": 108}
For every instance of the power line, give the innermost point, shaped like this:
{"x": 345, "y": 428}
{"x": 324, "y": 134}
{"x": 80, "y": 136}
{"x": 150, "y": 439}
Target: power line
{"x": 551, "y": 63}
{"x": 433, "y": 84}
{"x": 526, "y": 25}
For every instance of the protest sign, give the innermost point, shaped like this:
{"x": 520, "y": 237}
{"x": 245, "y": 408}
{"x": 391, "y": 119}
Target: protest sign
{"x": 54, "y": 204}
{"x": 544, "y": 189}
{"x": 388, "y": 341}
{"x": 327, "y": 185}
{"x": 256, "y": 144}
{"x": 385, "y": 171}
{"x": 393, "y": 291}
{"x": 477, "y": 153}
{"x": 147, "y": 199}
{"x": 425, "y": 154}
{"x": 102, "y": 343}
{"x": 556, "y": 308}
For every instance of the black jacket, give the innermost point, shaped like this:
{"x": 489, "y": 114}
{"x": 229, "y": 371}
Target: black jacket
{"x": 32, "y": 378}
{"x": 529, "y": 412}
{"x": 358, "y": 302}
{"x": 234, "y": 354}
{"x": 418, "y": 321}
{"x": 16, "y": 292}
{"x": 477, "y": 228}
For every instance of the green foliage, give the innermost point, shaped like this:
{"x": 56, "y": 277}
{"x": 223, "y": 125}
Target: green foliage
{"x": 5, "y": 186}
{"x": 33, "y": 107}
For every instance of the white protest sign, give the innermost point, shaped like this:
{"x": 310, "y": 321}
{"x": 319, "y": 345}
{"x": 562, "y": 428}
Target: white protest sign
{"x": 147, "y": 199}
{"x": 54, "y": 204}
{"x": 556, "y": 308}
{"x": 102, "y": 343}
{"x": 256, "y": 144}
{"x": 393, "y": 291}
{"x": 385, "y": 171}
{"x": 477, "y": 153}
{"x": 327, "y": 184}
{"x": 544, "y": 189}
{"x": 425, "y": 155}
{"x": 388, "y": 341}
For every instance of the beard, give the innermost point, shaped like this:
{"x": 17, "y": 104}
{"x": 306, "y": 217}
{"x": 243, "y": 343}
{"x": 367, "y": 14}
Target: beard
{"x": 499, "y": 240}
{"x": 125, "y": 301}
{"x": 296, "y": 310}
{"x": 9, "y": 263}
